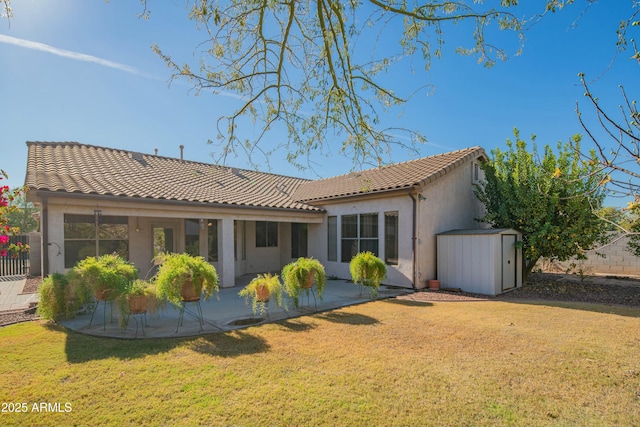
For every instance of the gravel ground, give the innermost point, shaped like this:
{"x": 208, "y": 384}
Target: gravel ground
{"x": 541, "y": 287}
{"x": 554, "y": 287}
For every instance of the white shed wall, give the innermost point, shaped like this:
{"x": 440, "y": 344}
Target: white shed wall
{"x": 474, "y": 262}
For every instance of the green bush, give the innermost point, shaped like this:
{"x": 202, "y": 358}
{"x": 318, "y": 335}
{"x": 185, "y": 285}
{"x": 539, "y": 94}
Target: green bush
{"x": 61, "y": 296}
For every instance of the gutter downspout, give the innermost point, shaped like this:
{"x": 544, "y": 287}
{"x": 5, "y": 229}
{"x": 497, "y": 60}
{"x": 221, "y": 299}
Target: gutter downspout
{"x": 414, "y": 199}
{"x": 44, "y": 228}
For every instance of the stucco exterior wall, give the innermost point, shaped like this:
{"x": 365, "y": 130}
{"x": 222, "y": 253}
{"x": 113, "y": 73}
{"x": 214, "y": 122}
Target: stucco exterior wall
{"x": 447, "y": 204}
{"x": 398, "y": 275}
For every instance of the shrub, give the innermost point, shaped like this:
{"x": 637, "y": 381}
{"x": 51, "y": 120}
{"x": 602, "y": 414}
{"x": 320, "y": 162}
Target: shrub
{"x": 61, "y": 296}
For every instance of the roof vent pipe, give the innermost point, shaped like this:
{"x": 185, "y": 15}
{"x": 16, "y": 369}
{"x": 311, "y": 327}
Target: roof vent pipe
{"x": 156, "y": 151}
{"x": 181, "y": 150}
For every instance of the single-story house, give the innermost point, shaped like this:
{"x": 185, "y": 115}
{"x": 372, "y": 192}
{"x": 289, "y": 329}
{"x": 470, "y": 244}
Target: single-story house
{"x": 96, "y": 200}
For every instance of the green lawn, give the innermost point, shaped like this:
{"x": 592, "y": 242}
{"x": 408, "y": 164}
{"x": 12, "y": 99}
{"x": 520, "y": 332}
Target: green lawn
{"x": 383, "y": 363}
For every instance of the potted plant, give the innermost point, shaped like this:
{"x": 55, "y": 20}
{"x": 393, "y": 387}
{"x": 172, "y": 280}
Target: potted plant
{"x": 108, "y": 275}
{"x": 302, "y": 274}
{"x": 260, "y": 290}
{"x": 183, "y": 278}
{"x": 368, "y": 270}
{"x": 138, "y": 298}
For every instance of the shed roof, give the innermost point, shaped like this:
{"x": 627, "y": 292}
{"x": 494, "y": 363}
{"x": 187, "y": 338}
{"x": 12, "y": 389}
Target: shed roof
{"x": 397, "y": 176}
{"x": 482, "y": 231}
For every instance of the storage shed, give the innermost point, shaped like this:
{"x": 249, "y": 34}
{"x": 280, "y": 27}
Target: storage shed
{"x": 480, "y": 261}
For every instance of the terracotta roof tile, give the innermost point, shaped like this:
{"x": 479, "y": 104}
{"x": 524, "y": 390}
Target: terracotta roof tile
{"x": 78, "y": 168}
{"x": 393, "y": 177}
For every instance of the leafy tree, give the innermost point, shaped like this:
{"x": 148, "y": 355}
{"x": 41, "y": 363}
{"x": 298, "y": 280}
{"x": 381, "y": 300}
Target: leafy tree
{"x": 21, "y": 214}
{"x": 550, "y": 200}
{"x": 7, "y": 196}
{"x": 314, "y": 68}
{"x": 616, "y": 218}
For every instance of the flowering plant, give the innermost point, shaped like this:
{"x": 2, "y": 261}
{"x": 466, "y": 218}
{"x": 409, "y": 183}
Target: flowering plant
{"x": 6, "y": 196}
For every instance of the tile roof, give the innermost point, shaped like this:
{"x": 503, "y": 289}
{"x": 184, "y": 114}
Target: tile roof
{"x": 387, "y": 178}
{"x": 70, "y": 167}
{"x": 78, "y": 168}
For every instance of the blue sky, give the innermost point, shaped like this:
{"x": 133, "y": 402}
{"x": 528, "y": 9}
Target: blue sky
{"x": 83, "y": 70}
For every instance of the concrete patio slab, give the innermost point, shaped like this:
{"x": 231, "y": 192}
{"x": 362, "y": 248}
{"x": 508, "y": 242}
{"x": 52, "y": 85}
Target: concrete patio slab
{"x": 12, "y": 298}
{"x": 224, "y": 312}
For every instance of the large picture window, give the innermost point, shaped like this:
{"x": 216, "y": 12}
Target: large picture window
{"x": 94, "y": 235}
{"x": 359, "y": 234}
{"x": 266, "y": 234}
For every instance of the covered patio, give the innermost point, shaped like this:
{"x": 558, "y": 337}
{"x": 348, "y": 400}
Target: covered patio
{"x": 224, "y": 312}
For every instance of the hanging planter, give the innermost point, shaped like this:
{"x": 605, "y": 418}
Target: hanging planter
{"x": 260, "y": 290}
{"x": 368, "y": 270}
{"x": 182, "y": 277}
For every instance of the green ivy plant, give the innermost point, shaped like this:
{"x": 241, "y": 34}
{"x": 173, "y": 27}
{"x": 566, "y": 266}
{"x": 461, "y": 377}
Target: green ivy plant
{"x": 368, "y": 270}
{"x": 109, "y": 274}
{"x": 177, "y": 269}
{"x": 273, "y": 286}
{"x": 138, "y": 288}
{"x": 297, "y": 275}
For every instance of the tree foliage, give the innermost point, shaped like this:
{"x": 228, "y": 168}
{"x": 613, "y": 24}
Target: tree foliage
{"x": 21, "y": 213}
{"x": 316, "y": 68}
{"x": 550, "y": 200}
{"x": 7, "y": 196}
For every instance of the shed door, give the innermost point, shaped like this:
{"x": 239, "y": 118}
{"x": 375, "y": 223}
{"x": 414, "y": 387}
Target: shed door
{"x": 508, "y": 261}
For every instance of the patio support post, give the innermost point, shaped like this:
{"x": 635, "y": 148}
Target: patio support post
{"x": 227, "y": 259}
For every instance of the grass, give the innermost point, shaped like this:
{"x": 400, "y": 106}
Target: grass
{"x": 382, "y": 363}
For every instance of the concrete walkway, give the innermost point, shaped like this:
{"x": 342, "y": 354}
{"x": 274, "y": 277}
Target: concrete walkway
{"x": 226, "y": 312}
{"x": 11, "y": 297}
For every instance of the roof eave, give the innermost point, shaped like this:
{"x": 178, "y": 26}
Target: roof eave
{"x": 107, "y": 197}
{"x": 346, "y": 197}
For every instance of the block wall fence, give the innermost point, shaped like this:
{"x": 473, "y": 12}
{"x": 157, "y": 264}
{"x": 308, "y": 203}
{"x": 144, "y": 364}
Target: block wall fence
{"x": 618, "y": 261}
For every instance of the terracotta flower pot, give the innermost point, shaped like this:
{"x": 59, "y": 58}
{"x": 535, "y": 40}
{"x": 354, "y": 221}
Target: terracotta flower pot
{"x": 188, "y": 292}
{"x": 434, "y": 284}
{"x": 262, "y": 293}
{"x": 308, "y": 284}
{"x": 137, "y": 304}
{"x": 103, "y": 294}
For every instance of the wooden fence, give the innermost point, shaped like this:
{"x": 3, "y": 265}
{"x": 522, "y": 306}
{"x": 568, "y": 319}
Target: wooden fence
{"x": 18, "y": 266}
